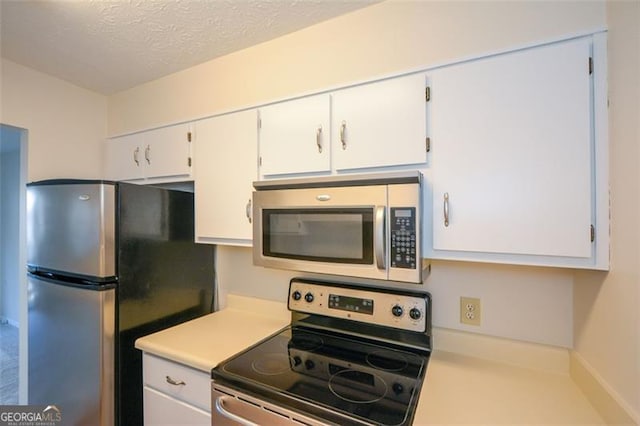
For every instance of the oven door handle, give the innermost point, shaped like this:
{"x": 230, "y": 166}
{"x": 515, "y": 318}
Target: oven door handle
{"x": 379, "y": 242}
{"x": 219, "y": 407}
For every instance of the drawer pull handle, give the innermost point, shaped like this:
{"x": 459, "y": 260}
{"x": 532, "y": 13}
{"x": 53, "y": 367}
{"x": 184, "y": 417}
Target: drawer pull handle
{"x": 175, "y": 382}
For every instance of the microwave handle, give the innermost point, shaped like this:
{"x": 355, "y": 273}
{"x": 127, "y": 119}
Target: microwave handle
{"x": 379, "y": 237}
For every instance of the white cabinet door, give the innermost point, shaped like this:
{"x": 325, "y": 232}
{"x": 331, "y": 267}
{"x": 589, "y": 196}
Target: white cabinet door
{"x": 161, "y": 153}
{"x": 175, "y": 394}
{"x": 380, "y": 124}
{"x": 160, "y": 409}
{"x": 226, "y": 166}
{"x": 124, "y": 158}
{"x": 167, "y": 151}
{"x": 512, "y": 153}
{"x": 295, "y": 136}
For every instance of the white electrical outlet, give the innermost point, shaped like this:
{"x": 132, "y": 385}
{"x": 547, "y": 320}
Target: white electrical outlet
{"x": 470, "y": 311}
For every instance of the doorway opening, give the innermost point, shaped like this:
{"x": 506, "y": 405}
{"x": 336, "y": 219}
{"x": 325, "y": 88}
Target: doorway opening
{"x": 13, "y": 283}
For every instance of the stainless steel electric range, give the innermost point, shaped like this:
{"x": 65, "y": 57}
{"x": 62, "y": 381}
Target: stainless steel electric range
{"x": 351, "y": 356}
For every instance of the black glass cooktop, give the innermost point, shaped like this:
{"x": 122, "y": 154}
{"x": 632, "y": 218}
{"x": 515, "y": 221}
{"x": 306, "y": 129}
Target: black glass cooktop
{"x": 323, "y": 373}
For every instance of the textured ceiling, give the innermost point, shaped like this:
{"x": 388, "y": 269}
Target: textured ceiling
{"x": 108, "y": 46}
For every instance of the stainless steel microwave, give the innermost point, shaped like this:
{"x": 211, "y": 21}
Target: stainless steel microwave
{"x": 366, "y": 226}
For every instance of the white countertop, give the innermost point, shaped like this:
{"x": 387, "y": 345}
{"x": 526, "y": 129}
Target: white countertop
{"x": 204, "y": 342}
{"x": 457, "y": 389}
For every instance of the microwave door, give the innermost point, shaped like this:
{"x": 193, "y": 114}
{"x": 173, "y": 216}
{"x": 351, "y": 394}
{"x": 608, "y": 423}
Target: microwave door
{"x": 338, "y": 231}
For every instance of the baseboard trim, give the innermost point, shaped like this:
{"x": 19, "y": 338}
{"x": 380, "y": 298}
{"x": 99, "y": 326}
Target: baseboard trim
{"x": 604, "y": 399}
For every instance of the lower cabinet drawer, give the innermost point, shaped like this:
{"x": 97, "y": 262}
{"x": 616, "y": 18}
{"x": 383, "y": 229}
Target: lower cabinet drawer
{"x": 160, "y": 409}
{"x": 177, "y": 380}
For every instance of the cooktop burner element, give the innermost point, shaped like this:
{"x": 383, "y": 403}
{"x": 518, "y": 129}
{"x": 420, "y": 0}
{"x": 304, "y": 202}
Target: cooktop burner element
{"x": 387, "y": 360}
{"x": 342, "y": 386}
{"x": 270, "y": 364}
{"x": 338, "y": 369}
{"x": 306, "y": 341}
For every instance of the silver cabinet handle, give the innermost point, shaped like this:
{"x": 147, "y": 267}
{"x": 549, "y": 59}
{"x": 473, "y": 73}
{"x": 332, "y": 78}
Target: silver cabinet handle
{"x": 319, "y": 138}
{"x": 343, "y": 131}
{"x": 147, "y": 153}
{"x": 379, "y": 239}
{"x": 247, "y": 210}
{"x": 446, "y": 209}
{"x": 175, "y": 382}
{"x": 135, "y": 155}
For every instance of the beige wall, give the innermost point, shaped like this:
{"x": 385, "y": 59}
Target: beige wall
{"x": 607, "y": 322}
{"x": 386, "y": 38}
{"x": 66, "y": 124}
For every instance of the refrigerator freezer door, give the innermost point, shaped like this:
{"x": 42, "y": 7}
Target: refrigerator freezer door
{"x": 72, "y": 228}
{"x": 71, "y": 347}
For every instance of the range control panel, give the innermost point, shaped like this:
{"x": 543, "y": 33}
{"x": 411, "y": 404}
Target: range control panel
{"x": 403, "y": 237}
{"x": 372, "y": 306}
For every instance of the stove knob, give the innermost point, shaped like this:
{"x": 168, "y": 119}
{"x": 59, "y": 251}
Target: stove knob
{"x": 309, "y": 364}
{"x": 397, "y": 311}
{"x": 397, "y": 388}
{"x": 297, "y": 361}
{"x": 308, "y": 297}
{"x": 296, "y": 295}
{"x": 415, "y": 313}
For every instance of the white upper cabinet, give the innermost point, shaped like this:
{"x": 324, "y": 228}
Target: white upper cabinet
{"x": 512, "y": 144}
{"x": 295, "y": 136}
{"x": 167, "y": 151}
{"x": 124, "y": 158}
{"x": 225, "y": 169}
{"x": 380, "y": 124}
{"x": 162, "y": 154}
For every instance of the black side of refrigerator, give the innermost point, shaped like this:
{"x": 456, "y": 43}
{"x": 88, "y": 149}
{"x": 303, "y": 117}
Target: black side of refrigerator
{"x": 164, "y": 279}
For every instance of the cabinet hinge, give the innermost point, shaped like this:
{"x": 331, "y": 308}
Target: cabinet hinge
{"x": 593, "y": 233}
{"x": 189, "y": 136}
{"x": 428, "y": 143}
{"x": 427, "y": 94}
{"x": 189, "y": 161}
{"x": 259, "y": 123}
{"x": 590, "y": 65}
{"x": 260, "y": 161}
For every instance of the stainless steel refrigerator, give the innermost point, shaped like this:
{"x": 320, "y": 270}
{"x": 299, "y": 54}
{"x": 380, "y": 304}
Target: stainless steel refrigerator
{"x": 107, "y": 263}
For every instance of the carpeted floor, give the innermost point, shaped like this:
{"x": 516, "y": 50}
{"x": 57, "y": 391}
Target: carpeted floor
{"x": 8, "y": 364}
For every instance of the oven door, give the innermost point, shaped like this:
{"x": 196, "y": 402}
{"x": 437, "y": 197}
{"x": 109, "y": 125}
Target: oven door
{"x": 341, "y": 230}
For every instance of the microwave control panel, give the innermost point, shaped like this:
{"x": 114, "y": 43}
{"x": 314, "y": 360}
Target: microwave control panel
{"x": 403, "y": 237}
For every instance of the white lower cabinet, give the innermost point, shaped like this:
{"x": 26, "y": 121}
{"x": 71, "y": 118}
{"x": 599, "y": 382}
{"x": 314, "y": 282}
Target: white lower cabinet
{"x": 160, "y": 409}
{"x": 175, "y": 394}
